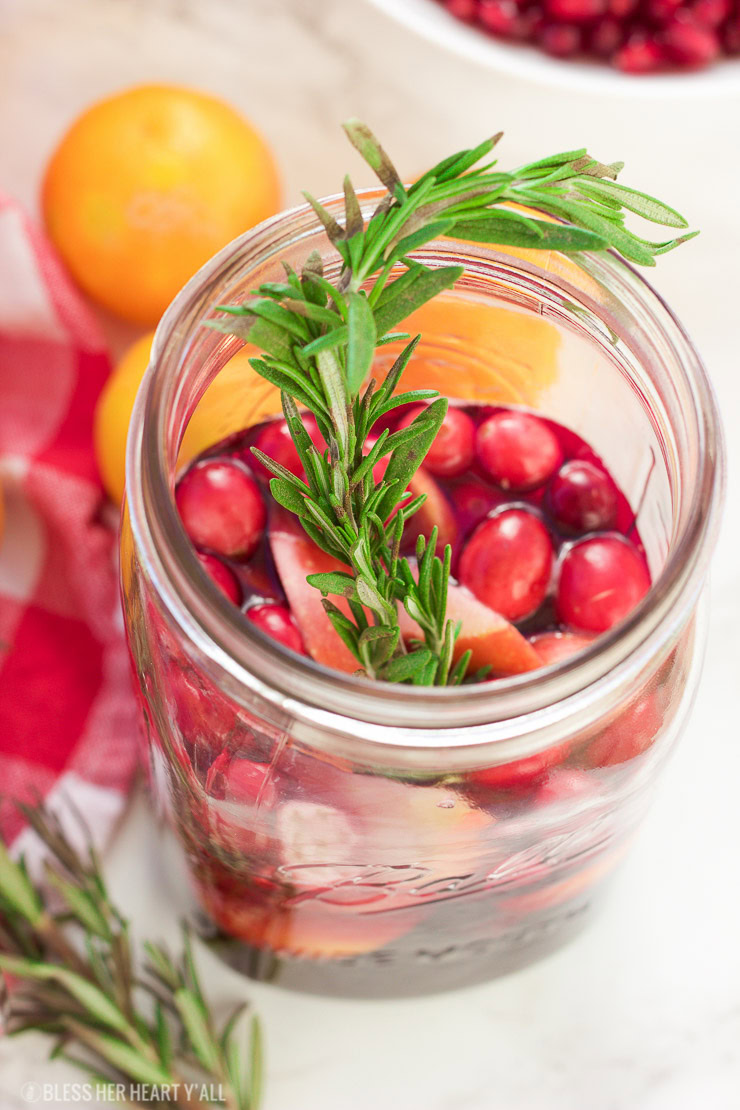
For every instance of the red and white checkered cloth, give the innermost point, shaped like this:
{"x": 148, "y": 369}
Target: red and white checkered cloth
{"x": 67, "y": 713}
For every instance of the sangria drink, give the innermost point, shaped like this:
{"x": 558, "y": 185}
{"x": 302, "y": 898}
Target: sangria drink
{"x": 362, "y": 837}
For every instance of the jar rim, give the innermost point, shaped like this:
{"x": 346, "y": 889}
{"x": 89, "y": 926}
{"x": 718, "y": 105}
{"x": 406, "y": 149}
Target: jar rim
{"x": 246, "y": 663}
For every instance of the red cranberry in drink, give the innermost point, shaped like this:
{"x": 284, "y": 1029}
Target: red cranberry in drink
{"x": 221, "y": 507}
{"x": 473, "y": 501}
{"x": 276, "y": 621}
{"x": 582, "y": 498}
{"x": 507, "y": 563}
{"x": 562, "y": 40}
{"x": 222, "y": 576}
{"x": 275, "y": 441}
{"x": 688, "y": 44}
{"x": 631, "y": 734}
{"x": 554, "y": 646}
{"x": 522, "y": 774}
{"x": 517, "y": 450}
{"x": 249, "y": 782}
{"x": 575, "y": 11}
{"x": 453, "y": 448}
{"x": 601, "y": 580}
{"x": 640, "y": 54}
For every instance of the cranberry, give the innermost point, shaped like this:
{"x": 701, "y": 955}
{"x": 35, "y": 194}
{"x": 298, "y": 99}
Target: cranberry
{"x": 507, "y": 563}
{"x": 502, "y": 17}
{"x": 640, "y": 54}
{"x": 688, "y": 44}
{"x": 521, "y": 774}
{"x": 632, "y": 733}
{"x": 710, "y": 13}
{"x": 235, "y": 779}
{"x": 575, "y": 11}
{"x": 473, "y": 501}
{"x": 606, "y": 38}
{"x": 661, "y": 11}
{"x": 275, "y": 441}
{"x": 519, "y": 451}
{"x": 731, "y": 35}
{"x": 554, "y": 646}
{"x": 224, "y": 578}
{"x": 461, "y": 9}
{"x": 277, "y": 621}
{"x": 582, "y": 498}
{"x": 621, "y": 9}
{"x": 221, "y": 507}
{"x": 601, "y": 581}
{"x": 562, "y": 40}
{"x": 453, "y": 448}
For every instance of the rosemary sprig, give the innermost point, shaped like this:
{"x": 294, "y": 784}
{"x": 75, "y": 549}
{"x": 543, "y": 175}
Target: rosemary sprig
{"x": 79, "y": 984}
{"x": 319, "y": 340}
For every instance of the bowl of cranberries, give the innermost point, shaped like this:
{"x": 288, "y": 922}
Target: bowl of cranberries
{"x": 603, "y": 40}
{"x": 358, "y": 836}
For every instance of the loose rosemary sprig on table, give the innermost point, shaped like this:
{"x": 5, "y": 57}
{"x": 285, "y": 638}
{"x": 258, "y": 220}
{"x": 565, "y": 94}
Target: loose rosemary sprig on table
{"x": 319, "y": 340}
{"x": 77, "y": 982}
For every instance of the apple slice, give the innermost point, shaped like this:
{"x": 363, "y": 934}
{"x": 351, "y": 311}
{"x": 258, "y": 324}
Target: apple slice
{"x": 295, "y": 557}
{"x": 493, "y": 641}
{"x": 435, "y": 510}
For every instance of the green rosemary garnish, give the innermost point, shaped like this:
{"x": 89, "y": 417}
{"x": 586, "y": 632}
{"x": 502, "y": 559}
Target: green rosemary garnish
{"x": 320, "y": 339}
{"x": 79, "y": 984}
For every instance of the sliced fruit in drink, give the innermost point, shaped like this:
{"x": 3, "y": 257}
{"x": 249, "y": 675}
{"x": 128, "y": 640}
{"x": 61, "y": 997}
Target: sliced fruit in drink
{"x": 493, "y": 641}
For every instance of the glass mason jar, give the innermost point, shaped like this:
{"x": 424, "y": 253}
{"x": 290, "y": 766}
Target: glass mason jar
{"x": 370, "y": 861}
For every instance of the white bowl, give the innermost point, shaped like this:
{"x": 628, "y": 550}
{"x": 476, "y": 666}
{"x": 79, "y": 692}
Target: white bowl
{"x": 430, "y": 19}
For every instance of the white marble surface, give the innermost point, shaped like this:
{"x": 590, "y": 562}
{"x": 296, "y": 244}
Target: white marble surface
{"x": 642, "y": 1013}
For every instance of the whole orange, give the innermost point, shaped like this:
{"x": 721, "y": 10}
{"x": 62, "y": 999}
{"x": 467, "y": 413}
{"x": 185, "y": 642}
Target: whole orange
{"x": 146, "y": 185}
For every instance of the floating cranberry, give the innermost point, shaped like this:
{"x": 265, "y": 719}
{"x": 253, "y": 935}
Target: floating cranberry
{"x": 562, "y": 40}
{"x": 225, "y": 579}
{"x": 250, "y": 782}
{"x": 521, "y": 774}
{"x": 554, "y": 646}
{"x": 575, "y": 11}
{"x": 277, "y": 621}
{"x": 453, "y": 448}
{"x": 582, "y": 498}
{"x": 601, "y": 581}
{"x": 276, "y": 442}
{"x": 507, "y": 563}
{"x": 221, "y": 507}
{"x": 473, "y": 501}
{"x": 688, "y": 43}
{"x": 631, "y": 734}
{"x": 519, "y": 451}
{"x": 640, "y": 54}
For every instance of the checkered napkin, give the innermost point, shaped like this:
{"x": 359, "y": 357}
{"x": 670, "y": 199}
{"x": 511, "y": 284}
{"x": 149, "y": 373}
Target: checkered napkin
{"x": 67, "y": 714}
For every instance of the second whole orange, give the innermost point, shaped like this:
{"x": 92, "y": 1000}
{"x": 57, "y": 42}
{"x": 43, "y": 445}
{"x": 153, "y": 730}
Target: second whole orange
{"x": 146, "y": 186}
